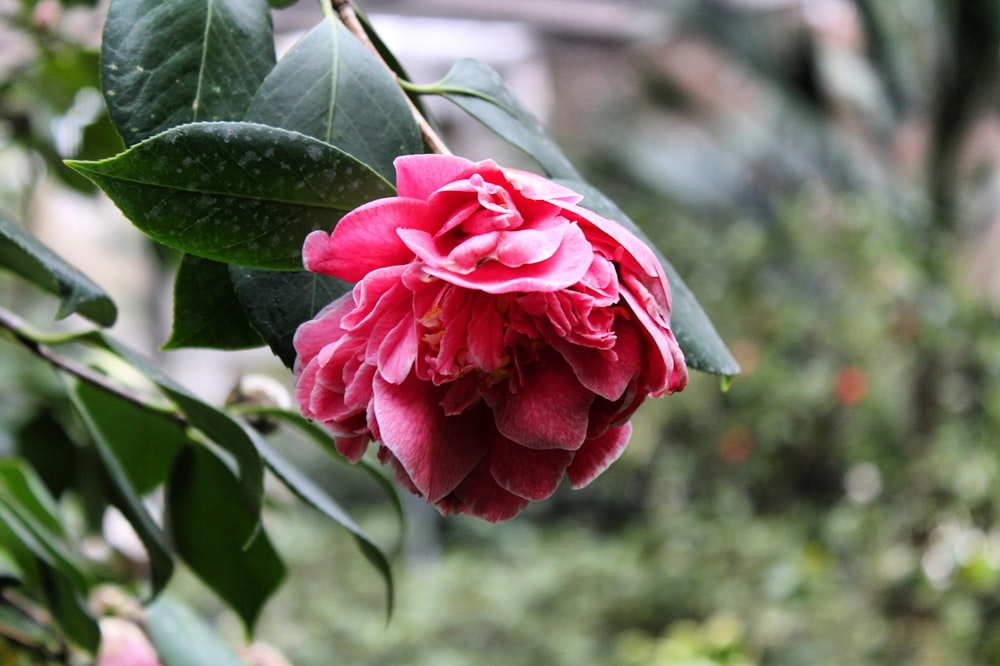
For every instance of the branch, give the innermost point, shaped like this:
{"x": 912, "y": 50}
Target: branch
{"x": 18, "y": 332}
{"x": 345, "y": 11}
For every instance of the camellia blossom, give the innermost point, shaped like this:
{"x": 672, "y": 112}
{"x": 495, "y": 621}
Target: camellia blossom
{"x": 498, "y": 338}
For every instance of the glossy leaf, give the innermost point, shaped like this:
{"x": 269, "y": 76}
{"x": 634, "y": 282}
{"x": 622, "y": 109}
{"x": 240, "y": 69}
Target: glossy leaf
{"x": 237, "y": 193}
{"x": 208, "y": 530}
{"x": 165, "y": 64}
{"x": 22, "y": 253}
{"x": 217, "y": 426}
{"x": 207, "y": 312}
{"x": 19, "y": 483}
{"x": 331, "y": 87}
{"x": 142, "y": 442}
{"x": 326, "y": 441}
{"x": 277, "y": 302}
{"x": 181, "y": 638}
{"x": 481, "y": 93}
{"x": 49, "y": 569}
{"x": 311, "y": 493}
{"x": 136, "y": 448}
{"x": 703, "y": 348}
{"x": 44, "y": 444}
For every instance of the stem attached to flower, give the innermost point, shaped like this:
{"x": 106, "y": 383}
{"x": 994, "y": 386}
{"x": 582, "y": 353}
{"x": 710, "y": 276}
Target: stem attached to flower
{"x": 349, "y": 18}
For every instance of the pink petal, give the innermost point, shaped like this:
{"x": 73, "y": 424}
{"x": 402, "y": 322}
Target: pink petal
{"x": 533, "y": 186}
{"x": 419, "y": 176}
{"x": 596, "y": 455}
{"x": 665, "y": 370}
{"x": 435, "y": 451}
{"x": 606, "y": 374}
{"x": 530, "y": 246}
{"x": 550, "y": 410}
{"x": 619, "y": 240}
{"x": 485, "y": 334}
{"x": 365, "y": 239}
{"x": 479, "y": 495}
{"x": 379, "y": 292}
{"x": 353, "y": 448}
{"x": 398, "y": 350}
{"x": 528, "y": 473}
{"x": 565, "y": 268}
{"x": 469, "y": 253}
{"x": 313, "y": 335}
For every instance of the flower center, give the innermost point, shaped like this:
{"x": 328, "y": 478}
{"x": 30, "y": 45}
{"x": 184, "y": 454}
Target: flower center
{"x": 497, "y": 210}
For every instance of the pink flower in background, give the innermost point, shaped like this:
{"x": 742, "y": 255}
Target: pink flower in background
{"x": 498, "y": 338}
{"x": 123, "y": 643}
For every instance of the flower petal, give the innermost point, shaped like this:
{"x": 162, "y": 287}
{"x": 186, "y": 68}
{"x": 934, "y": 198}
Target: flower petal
{"x": 481, "y": 496}
{"x": 549, "y": 411}
{"x": 596, "y": 455}
{"x": 436, "y": 451}
{"x": 565, "y": 268}
{"x": 419, "y": 176}
{"x": 365, "y": 239}
{"x": 528, "y": 473}
{"x": 604, "y": 373}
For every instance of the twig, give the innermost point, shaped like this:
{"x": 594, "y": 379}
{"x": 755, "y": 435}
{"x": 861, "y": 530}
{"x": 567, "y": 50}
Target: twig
{"x": 345, "y": 11}
{"x": 18, "y": 328}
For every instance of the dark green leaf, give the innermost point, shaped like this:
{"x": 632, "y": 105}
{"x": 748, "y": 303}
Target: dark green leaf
{"x": 207, "y": 312}
{"x": 322, "y": 437}
{"x": 331, "y": 87}
{"x": 481, "y": 93}
{"x": 181, "y": 638}
{"x": 209, "y": 530}
{"x": 164, "y": 64}
{"x": 703, "y": 348}
{"x": 304, "y": 487}
{"x": 235, "y": 192}
{"x": 26, "y": 507}
{"x": 49, "y": 570}
{"x": 389, "y": 58}
{"x": 19, "y": 483}
{"x": 277, "y": 302}
{"x": 216, "y": 425}
{"x": 26, "y": 256}
{"x": 136, "y": 448}
{"x": 142, "y": 442}
{"x": 44, "y": 444}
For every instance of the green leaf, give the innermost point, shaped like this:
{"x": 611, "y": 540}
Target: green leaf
{"x": 20, "y": 484}
{"x": 703, "y": 348}
{"x": 136, "y": 448}
{"x": 49, "y": 570}
{"x": 25, "y": 255}
{"x": 308, "y": 491}
{"x": 208, "y": 530}
{"x": 481, "y": 93}
{"x": 143, "y": 443}
{"x": 44, "y": 444}
{"x": 207, "y": 312}
{"x": 331, "y": 87}
{"x": 217, "y": 426}
{"x": 277, "y": 302}
{"x": 181, "y": 638}
{"x": 237, "y": 193}
{"x": 165, "y": 64}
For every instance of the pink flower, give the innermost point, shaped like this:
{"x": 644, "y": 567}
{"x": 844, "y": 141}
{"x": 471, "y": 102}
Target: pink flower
{"x": 124, "y": 644}
{"x": 498, "y": 338}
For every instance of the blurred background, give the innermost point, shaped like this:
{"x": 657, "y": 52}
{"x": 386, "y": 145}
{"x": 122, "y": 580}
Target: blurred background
{"x": 825, "y": 174}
